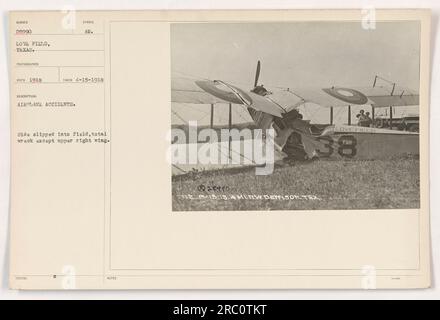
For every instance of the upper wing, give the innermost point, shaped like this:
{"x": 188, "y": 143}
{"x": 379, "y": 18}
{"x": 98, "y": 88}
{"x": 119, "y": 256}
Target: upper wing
{"x": 277, "y": 103}
{"x": 386, "y": 97}
{"x": 185, "y": 90}
{"x": 343, "y": 96}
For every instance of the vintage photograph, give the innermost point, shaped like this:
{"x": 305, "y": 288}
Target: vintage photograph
{"x": 295, "y": 115}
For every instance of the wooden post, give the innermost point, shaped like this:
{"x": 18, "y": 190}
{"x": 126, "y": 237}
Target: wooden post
{"x": 212, "y": 116}
{"x": 331, "y": 115}
{"x": 372, "y": 113}
{"x": 349, "y": 115}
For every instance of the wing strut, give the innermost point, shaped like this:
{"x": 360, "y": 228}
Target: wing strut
{"x": 391, "y": 117}
{"x": 331, "y": 115}
{"x": 212, "y": 116}
{"x": 230, "y": 126}
{"x": 349, "y": 115}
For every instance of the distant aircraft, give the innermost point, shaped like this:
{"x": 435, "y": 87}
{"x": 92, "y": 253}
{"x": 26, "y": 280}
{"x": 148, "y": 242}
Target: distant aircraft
{"x": 297, "y": 138}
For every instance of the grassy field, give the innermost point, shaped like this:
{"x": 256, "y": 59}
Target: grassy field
{"x": 376, "y": 184}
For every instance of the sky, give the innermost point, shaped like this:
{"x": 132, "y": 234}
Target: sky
{"x": 299, "y": 54}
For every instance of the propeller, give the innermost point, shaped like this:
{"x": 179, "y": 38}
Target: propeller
{"x": 257, "y": 73}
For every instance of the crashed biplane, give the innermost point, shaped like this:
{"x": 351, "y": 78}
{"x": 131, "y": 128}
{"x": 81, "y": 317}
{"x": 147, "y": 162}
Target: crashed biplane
{"x": 296, "y": 137}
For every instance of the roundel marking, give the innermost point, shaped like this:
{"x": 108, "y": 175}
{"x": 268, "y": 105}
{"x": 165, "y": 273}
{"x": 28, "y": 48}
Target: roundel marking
{"x": 238, "y": 97}
{"x": 348, "y": 95}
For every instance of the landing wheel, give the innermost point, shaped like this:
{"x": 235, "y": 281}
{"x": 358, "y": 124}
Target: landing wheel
{"x": 294, "y": 148}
